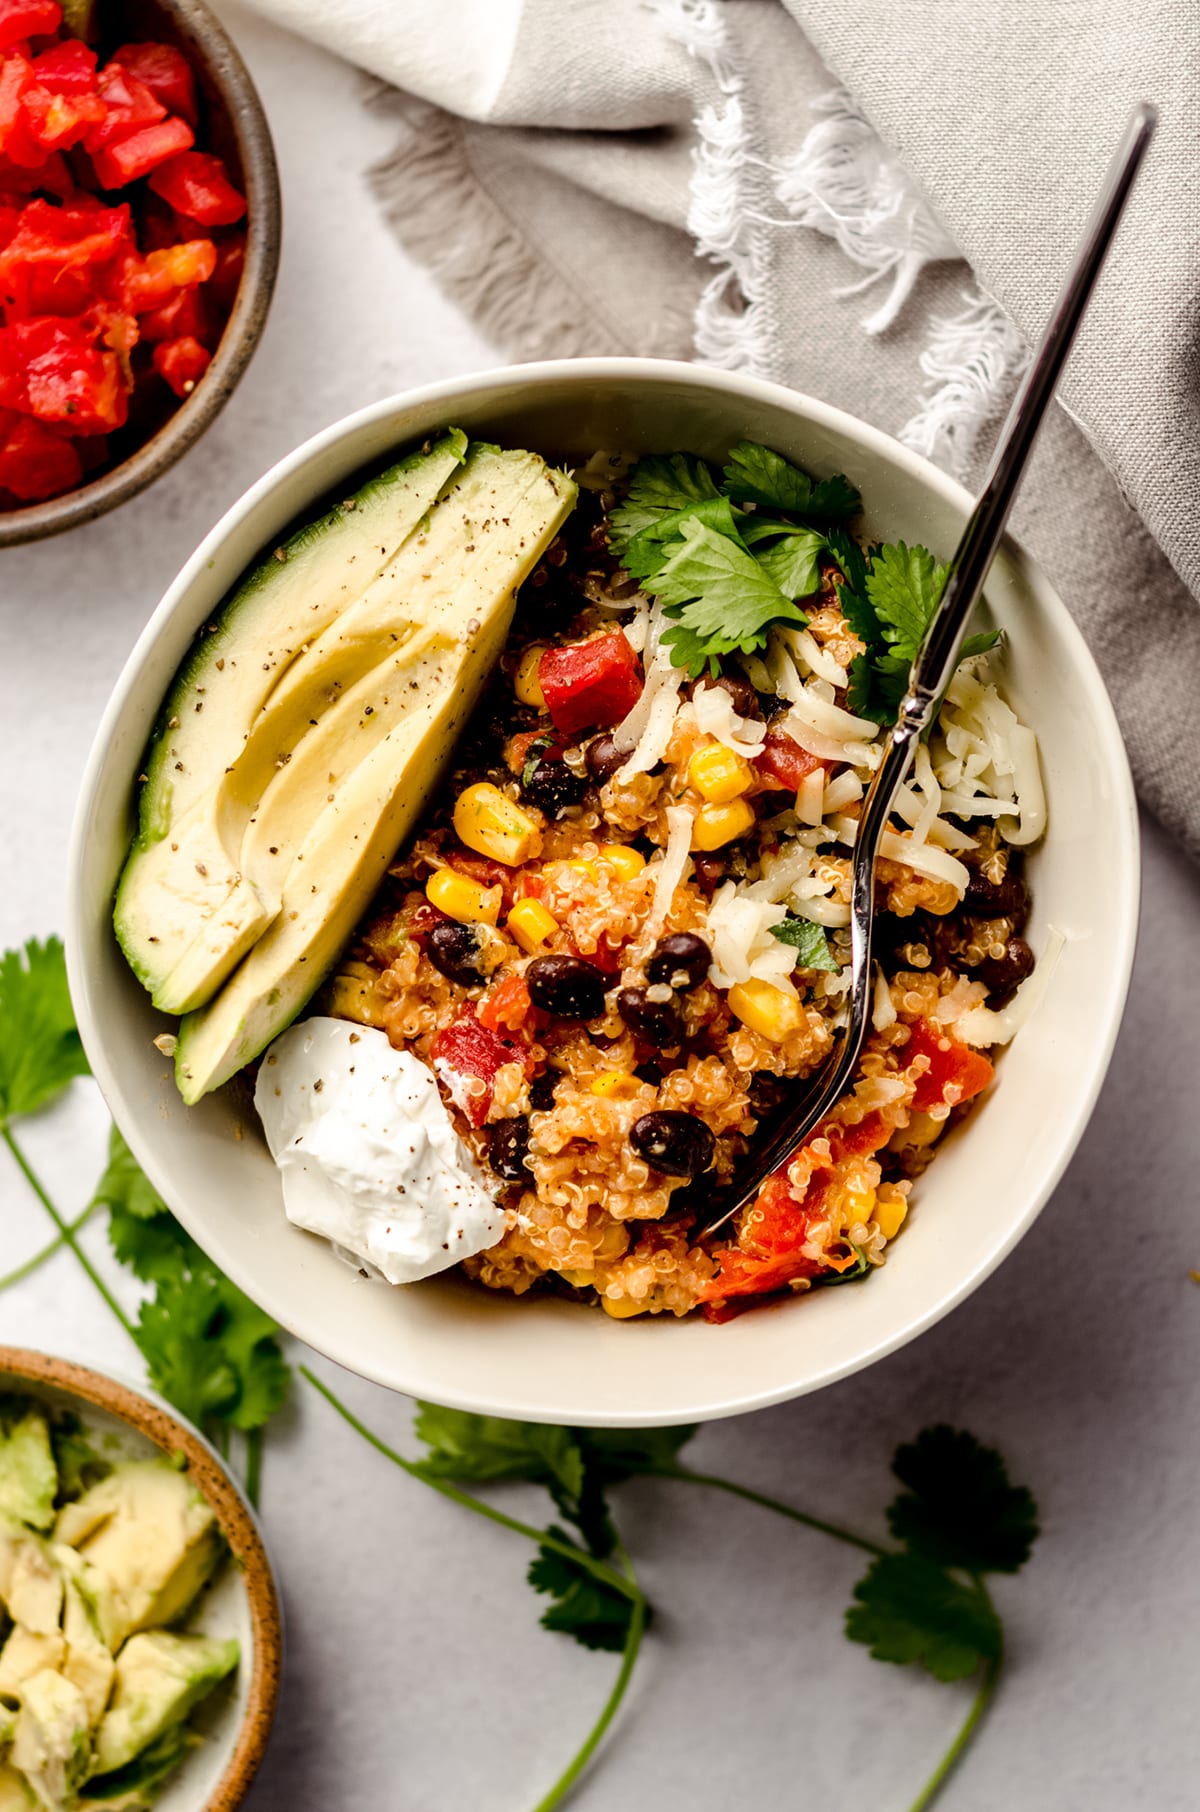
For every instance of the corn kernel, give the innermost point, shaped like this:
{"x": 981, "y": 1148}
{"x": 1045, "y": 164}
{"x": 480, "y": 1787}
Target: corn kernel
{"x": 530, "y": 924}
{"x": 719, "y": 774}
{"x": 859, "y": 1205}
{"x": 622, "y": 1307}
{"x": 491, "y": 824}
{"x": 614, "y": 1085}
{"x": 461, "y": 898}
{"x": 922, "y": 1130}
{"x": 716, "y": 825}
{"x": 890, "y": 1216}
{"x": 526, "y": 684}
{"x": 627, "y": 862}
{"x": 765, "y": 1009}
{"x": 584, "y": 868}
{"x": 578, "y": 1280}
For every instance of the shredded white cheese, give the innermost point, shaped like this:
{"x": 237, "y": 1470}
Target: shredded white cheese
{"x": 739, "y": 933}
{"x": 716, "y": 717}
{"x": 670, "y": 871}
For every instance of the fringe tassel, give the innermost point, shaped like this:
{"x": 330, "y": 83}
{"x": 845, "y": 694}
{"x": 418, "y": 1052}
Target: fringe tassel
{"x": 479, "y": 259}
{"x": 845, "y": 183}
{"x": 733, "y": 326}
{"x": 973, "y": 361}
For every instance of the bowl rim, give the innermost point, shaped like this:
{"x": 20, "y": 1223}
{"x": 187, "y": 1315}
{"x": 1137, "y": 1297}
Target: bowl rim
{"x": 875, "y": 442}
{"x": 152, "y": 1418}
{"x": 243, "y": 328}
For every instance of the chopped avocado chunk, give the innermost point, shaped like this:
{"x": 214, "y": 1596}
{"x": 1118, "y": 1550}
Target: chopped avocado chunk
{"x": 30, "y": 1584}
{"x": 28, "y": 1477}
{"x": 16, "y": 1795}
{"x": 136, "y": 1786}
{"x": 52, "y": 1744}
{"x": 87, "y": 1662}
{"x": 27, "y": 1653}
{"x": 330, "y": 824}
{"x": 185, "y": 914}
{"x": 151, "y": 1534}
{"x": 159, "y": 1678}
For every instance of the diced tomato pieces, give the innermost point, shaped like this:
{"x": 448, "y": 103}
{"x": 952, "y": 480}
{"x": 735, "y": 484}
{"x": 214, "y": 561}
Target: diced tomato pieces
{"x": 186, "y": 314}
{"x": 166, "y": 72}
{"x": 955, "y": 1073}
{"x": 129, "y": 105}
{"x": 17, "y": 144}
{"x": 590, "y": 683}
{"x": 58, "y": 121}
{"x": 34, "y": 462}
{"x": 470, "y": 1052}
{"x": 146, "y": 283}
{"x": 507, "y": 1007}
{"x": 782, "y": 761}
{"x": 182, "y": 363}
{"x": 870, "y": 1134}
{"x": 196, "y": 184}
{"x": 780, "y": 1228}
{"x": 68, "y": 68}
{"x": 140, "y": 152}
{"x": 231, "y": 262}
{"x": 49, "y": 264}
{"x": 52, "y": 369}
{"x": 21, "y": 19}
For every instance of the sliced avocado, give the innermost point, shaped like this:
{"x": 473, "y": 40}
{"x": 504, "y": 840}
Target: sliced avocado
{"x": 277, "y": 610}
{"x": 52, "y": 1743}
{"x": 30, "y": 1583}
{"x": 159, "y": 1678}
{"x": 16, "y": 1795}
{"x": 28, "y": 1475}
{"x": 25, "y": 1654}
{"x": 136, "y": 1786}
{"x": 150, "y": 1534}
{"x": 334, "y": 849}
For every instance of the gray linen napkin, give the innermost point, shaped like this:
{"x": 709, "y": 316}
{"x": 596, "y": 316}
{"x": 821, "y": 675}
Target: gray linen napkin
{"x": 680, "y": 178}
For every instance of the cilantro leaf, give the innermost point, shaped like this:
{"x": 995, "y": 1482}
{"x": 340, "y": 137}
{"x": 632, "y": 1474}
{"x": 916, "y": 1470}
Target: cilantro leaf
{"x": 852, "y": 593}
{"x": 621, "y": 1453}
{"x": 792, "y": 556}
{"x": 464, "y": 1446}
{"x": 982, "y": 643}
{"x": 40, "y": 1051}
{"x": 649, "y": 548}
{"x": 722, "y": 597}
{"x": 754, "y": 474}
{"x": 125, "y": 1185}
{"x": 185, "y": 1363}
{"x": 659, "y": 484}
{"x": 596, "y": 1614}
{"x": 910, "y": 1609}
{"x": 960, "y": 1508}
{"x": 904, "y": 585}
{"x": 809, "y": 942}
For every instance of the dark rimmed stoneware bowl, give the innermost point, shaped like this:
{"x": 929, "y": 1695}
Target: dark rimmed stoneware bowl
{"x": 236, "y": 128}
{"x": 217, "y": 1775}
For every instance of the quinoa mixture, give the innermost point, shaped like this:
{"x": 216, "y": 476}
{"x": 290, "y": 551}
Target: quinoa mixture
{"x": 620, "y": 942}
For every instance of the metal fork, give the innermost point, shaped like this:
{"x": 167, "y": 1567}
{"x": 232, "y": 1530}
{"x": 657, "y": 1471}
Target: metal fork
{"x": 936, "y": 660}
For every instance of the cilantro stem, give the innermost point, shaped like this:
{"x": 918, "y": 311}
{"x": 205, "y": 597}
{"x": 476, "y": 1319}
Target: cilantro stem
{"x": 254, "y": 1456}
{"x": 633, "y": 1642}
{"x": 65, "y": 1231}
{"x": 987, "y": 1686}
{"x": 47, "y": 1251}
{"x": 542, "y": 1538}
{"x": 767, "y": 1503}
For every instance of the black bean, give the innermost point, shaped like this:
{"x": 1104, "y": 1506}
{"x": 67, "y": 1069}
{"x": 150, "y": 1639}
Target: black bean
{"x": 603, "y": 758}
{"x": 710, "y": 872}
{"x": 566, "y": 986}
{"x": 1003, "y": 975}
{"x": 681, "y": 961}
{"x": 1006, "y": 899}
{"x": 455, "y": 950}
{"x": 678, "y": 1144}
{"x": 508, "y": 1149}
{"x": 541, "y": 1091}
{"x": 551, "y": 786}
{"x": 771, "y": 705}
{"x": 658, "y": 1022}
{"x": 745, "y": 698}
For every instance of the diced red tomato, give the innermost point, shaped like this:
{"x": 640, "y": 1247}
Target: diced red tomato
{"x": 507, "y": 1007}
{"x": 484, "y": 870}
{"x": 34, "y": 462}
{"x": 784, "y": 762}
{"x": 166, "y": 72}
{"x": 58, "y": 121}
{"x": 146, "y": 283}
{"x": 182, "y": 363}
{"x": 52, "y": 369}
{"x": 68, "y": 68}
{"x": 185, "y": 314}
{"x": 129, "y": 105}
{"x": 17, "y": 143}
{"x": 780, "y": 1228}
{"x": 140, "y": 152}
{"x": 231, "y": 262}
{"x": 21, "y": 19}
{"x": 955, "y": 1072}
{"x": 587, "y": 684}
{"x": 195, "y": 184}
{"x": 870, "y": 1134}
{"x": 51, "y": 242}
{"x": 468, "y": 1051}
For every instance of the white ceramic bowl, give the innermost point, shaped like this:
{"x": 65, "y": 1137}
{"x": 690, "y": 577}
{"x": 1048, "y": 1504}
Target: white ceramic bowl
{"x": 552, "y": 1360}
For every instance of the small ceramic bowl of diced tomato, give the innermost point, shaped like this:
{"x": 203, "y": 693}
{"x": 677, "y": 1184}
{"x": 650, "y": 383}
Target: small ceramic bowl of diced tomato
{"x": 139, "y": 238}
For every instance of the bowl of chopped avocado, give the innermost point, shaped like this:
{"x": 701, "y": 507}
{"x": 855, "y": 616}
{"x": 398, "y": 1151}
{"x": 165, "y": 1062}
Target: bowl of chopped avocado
{"x": 139, "y": 1622}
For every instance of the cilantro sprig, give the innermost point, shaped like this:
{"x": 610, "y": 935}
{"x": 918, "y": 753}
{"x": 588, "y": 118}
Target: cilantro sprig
{"x": 888, "y": 600}
{"x": 808, "y": 941}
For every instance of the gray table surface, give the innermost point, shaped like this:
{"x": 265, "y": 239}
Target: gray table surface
{"x": 417, "y": 1677}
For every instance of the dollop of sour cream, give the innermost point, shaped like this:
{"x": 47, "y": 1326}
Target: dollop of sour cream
{"x": 367, "y": 1152}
